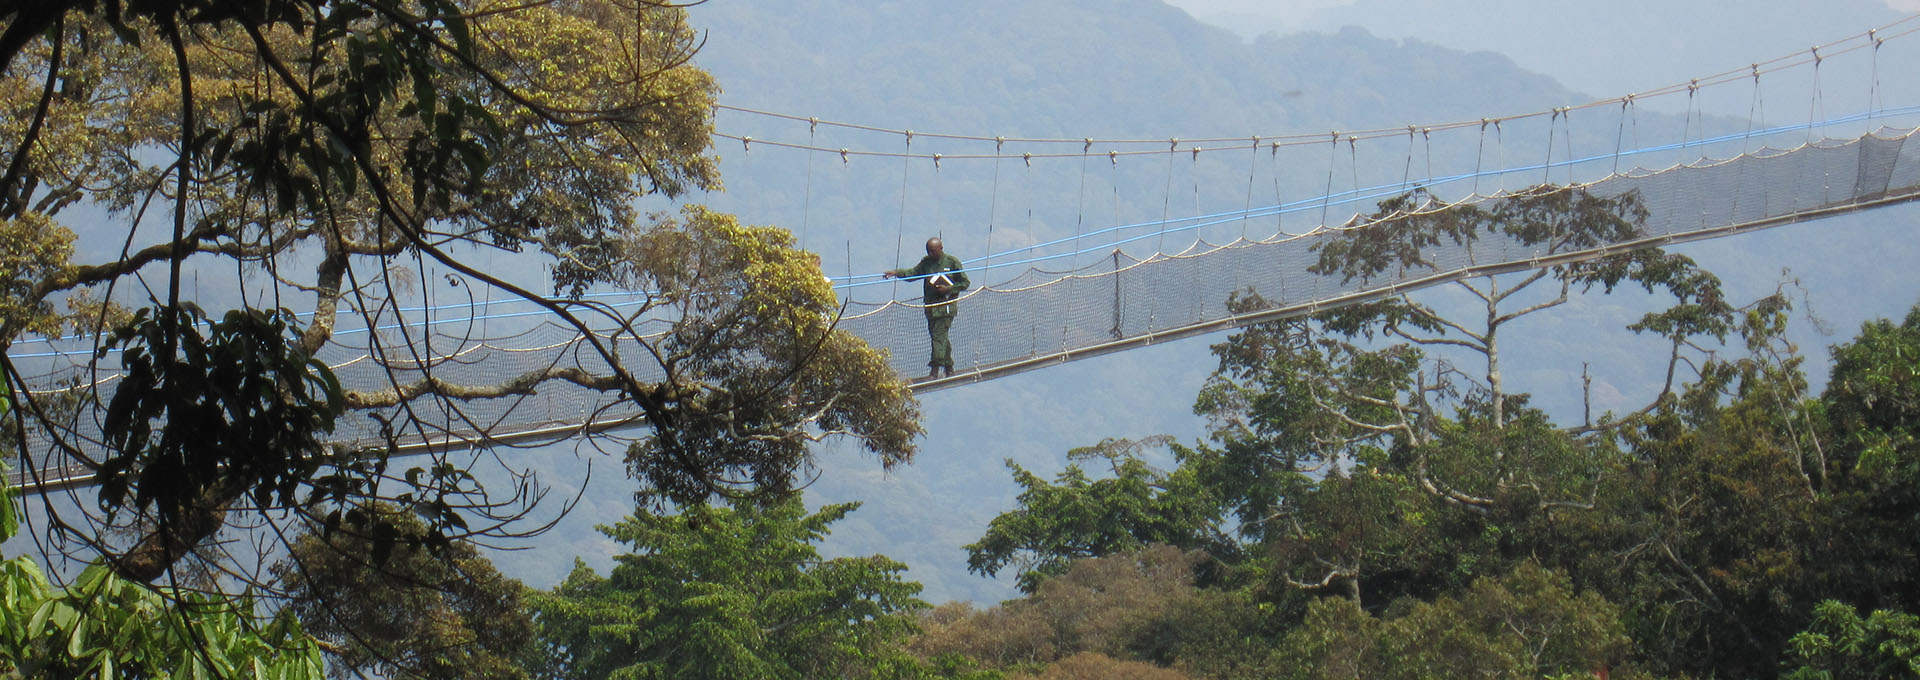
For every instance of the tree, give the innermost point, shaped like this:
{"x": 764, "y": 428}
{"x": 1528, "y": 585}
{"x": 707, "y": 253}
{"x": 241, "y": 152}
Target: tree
{"x": 108, "y": 627}
{"x": 1526, "y": 624}
{"x": 1077, "y": 517}
{"x": 730, "y": 592}
{"x": 387, "y": 606}
{"x": 1339, "y": 436}
{"x": 353, "y": 139}
{"x": 1118, "y": 606}
{"x": 1839, "y": 645}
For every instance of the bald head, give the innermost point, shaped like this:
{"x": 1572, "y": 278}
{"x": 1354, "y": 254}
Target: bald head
{"x": 934, "y": 247}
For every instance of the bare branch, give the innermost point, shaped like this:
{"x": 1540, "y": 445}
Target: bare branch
{"x": 524, "y": 384}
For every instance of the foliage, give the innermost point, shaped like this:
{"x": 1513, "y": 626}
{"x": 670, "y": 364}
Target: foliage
{"x": 1077, "y": 517}
{"x": 317, "y": 155}
{"x": 1874, "y": 405}
{"x": 104, "y": 626}
{"x": 1526, "y": 624}
{"x": 1358, "y": 459}
{"x": 37, "y": 248}
{"x": 1096, "y": 666}
{"x": 1114, "y": 605}
{"x": 387, "y": 605}
{"x": 722, "y": 592}
{"x": 241, "y": 408}
{"x": 1839, "y": 645}
{"x": 756, "y": 371}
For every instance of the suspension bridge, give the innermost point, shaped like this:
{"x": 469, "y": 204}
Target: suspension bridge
{"x": 1122, "y": 286}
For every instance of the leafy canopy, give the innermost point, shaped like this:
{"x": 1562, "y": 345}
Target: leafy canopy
{"x": 725, "y": 592}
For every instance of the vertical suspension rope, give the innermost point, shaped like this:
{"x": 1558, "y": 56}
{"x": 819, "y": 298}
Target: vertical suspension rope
{"x": 1080, "y": 206}
{"x": 1253, "y": 157}
{"x": 993, "y": 202}
{"x": 1353, "y": 162}
{"x": 1028, "y": 157}
{"x": 900, "y": 231}
{"x": 1280, "y": 208}
{"x": 1755, "y": 108}
{"x": 1633, "y": 123}
{"x": 1193, "y": 177}
{"x": 1620, "y": 135}
{"x": 939, "y": 211}
{"x": 1273, "y": 157}
{"x": 806, "y": 197}
{"x": 1546, "y": 168}
{"x": 1815, "y": 107}
{"x": 1113, "y": 176}
{"x": 1500, "y": 140}
{"x": 1166, "y": 198}
{"x": 1406, "y": 170}
{"x": 846, "y": 179}
{"x": 1426, "y": 137}
{"x": 1686, "y": 127}
{"x": 1479, "y": 157}
{"x": 1333, "y": 160}
{"x": 1873, "y": 89}
{"x": 1567, "y": 137}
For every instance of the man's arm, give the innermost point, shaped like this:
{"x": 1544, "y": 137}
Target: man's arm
{"x": 958, "y": 276}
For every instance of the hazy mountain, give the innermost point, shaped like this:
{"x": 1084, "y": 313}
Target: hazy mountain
{"x": 1613, "y": 48}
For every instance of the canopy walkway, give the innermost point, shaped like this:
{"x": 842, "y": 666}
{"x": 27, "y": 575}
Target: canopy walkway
{"x": 1033, "y": 313}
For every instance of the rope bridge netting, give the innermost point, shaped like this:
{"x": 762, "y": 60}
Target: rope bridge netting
{"x": 1053, "y": 300}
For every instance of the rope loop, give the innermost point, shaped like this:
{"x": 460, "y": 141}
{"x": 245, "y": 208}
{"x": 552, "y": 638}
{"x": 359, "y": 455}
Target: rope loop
{"x": 746, "y": 144}
{"x": 1113, "y": 157}
{"x": 1028, "y": 157}
{"x": 843, "y": 156}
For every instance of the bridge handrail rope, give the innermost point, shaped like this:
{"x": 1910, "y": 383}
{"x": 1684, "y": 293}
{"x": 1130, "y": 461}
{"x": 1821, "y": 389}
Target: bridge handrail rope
{"x": 1362, "y": 195}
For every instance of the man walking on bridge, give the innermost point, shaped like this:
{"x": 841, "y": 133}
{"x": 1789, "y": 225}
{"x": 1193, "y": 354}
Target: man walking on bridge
{"x": 941, "y": 280}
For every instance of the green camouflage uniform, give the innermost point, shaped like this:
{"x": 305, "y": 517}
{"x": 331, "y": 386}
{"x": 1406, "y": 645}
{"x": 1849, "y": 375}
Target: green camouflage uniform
{"x": 940, "y": 306}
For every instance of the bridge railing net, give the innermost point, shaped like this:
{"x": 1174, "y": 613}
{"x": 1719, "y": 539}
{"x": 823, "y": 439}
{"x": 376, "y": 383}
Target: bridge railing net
{"x": 1119, "y": 301}
{"x": 1038, "y": 315}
